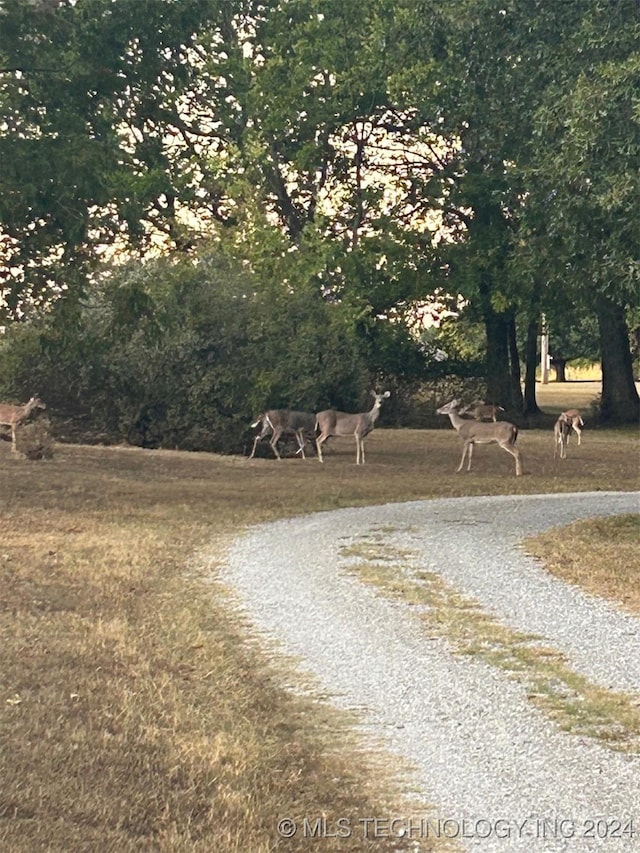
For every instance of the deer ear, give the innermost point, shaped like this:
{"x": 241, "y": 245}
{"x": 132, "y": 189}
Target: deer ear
{"x": 387, "y": 394}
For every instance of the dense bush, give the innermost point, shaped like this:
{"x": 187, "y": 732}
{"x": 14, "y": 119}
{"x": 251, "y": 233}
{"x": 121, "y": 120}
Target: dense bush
{"x": 184, "y": 355}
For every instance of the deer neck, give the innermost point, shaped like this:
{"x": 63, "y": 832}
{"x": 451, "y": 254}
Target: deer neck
{"x": 30, "y": 406}
{"x": 375, "y": 412}
{"x": 456, "y": 420}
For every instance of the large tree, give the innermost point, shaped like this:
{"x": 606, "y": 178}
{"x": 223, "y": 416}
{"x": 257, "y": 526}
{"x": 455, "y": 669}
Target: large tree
{"x": 90, "y": 95}
{"x": 375, "y": 150}
{"x": 538, "y": 99}
{"x": 586, "y": 174}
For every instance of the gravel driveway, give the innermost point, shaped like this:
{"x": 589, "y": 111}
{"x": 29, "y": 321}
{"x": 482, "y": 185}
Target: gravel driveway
{"x": 501, "y": 775}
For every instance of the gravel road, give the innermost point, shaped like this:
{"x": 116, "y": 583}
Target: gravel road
{"x": 502, "y": 777}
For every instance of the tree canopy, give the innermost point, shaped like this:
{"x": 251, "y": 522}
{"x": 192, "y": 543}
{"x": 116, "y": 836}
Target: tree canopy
{"x": 370, "y": 155}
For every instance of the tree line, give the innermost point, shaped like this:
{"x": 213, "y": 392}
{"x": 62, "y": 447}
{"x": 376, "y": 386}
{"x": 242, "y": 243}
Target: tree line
{"x": 272, "y": 193}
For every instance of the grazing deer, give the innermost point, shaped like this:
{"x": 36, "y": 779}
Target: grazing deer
{"x": 14, "y": 415}
{"x": 479, "y": 432}
{"x": 482, "y": 411}
{"x": 574, "y": 418}
{"x": 331, "y": 423}
{"x": 283, "y": 421}
{"x": 561, "y": 430}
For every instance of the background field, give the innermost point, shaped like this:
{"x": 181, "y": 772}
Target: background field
{"x": 134, "y": 713}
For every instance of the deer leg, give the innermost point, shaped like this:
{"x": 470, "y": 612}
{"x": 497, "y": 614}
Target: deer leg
{"x": 559, "y": 443}
{"x": 274, "y": 441}
{"x": 360, "y": 451}
{"x": 300, "y": 437}
{"x": 255, "y": 444}
{"x": 464, "y": 453}
{"x": 266, "y": 429}
{"x": 578, "y": 432}
{"x": 13, "y": 439}
{"x": 516, "y": 455}
{"x": 319, "y": 440}
{"x": 469, "y": 455}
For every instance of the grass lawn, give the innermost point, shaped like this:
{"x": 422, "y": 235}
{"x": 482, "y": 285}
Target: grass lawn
{"x": 135, "y": 712}
{"x": 555, "y": 397}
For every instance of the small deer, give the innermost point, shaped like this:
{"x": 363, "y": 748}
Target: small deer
{"x": 561, "y": 430}
{"x": 482, "y": 411}
{"x": 359, "y": 425}
{"x": 568, "y": 421}
{"x": 13, "y": 416}
{"x": 283, "y": 421}
{"x": 574, "y": 418}
{"x": 479, "y": 432}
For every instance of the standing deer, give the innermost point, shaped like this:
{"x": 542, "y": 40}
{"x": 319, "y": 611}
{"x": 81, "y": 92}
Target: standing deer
{"x": 283, "y": 421}
{"x": 479, "y": 432}
{"x": 574, "y": 419}
{"x": 331, "y": 423}
{"x": 14, "y": 415}
{"x": 567, "y": 421}
{"x": 561, "y": 430}
{"x": 482, "y": 411}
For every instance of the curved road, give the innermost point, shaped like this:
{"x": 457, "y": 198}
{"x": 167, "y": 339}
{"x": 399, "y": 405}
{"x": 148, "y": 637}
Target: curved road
{"x": 503, "y": 776}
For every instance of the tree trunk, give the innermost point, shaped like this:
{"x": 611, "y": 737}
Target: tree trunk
{"x": 502, "y": 366}
{"x": 620, "y": 401}
{"x": 560, "y": 367}
{"x": 530, "y": 406}
{"x": 514, "y": 364}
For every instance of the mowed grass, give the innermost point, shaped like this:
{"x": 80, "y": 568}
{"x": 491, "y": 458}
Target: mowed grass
{"x": 136, "y": 711}
{"x": 600, "y": 555}
{"x": 556, "y": 397}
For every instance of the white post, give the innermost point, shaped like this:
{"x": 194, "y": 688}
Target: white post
{"x": 544, "y": 352}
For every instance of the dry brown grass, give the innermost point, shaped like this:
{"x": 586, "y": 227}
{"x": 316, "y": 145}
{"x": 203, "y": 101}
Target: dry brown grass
{"x": 133, "y": 714}
{"x": 601, "y": 555}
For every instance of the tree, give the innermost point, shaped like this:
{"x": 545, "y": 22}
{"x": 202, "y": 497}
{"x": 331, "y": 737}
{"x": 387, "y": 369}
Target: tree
{"x": 88, "y": 93}
{"x": 572, "y": 336}
{"x": 369, "y": 153}
{"x": 466, "y": 76}
{"x": 498, "y": 80}
{"x": 585, "y": 173}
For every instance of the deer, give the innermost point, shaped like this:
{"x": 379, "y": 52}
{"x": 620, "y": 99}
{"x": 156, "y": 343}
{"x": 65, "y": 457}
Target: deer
{"x": 283, "y": 421}
{"x": 13, "y": 416}
{"x": 330, "y": 422}
{"x": 482, "y": 411}
{"x": 561, "y": 430}
{"x": 568, "y": 421}
{"x": 574, "y": 419}
{"x": 502, "y": 433}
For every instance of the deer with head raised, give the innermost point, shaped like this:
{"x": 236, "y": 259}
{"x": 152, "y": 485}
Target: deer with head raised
{"x": 279, "y": 422}
{"x": 330, "y": 422}
{"x": 502, "y": 433}
{"x": 14, "y": 415}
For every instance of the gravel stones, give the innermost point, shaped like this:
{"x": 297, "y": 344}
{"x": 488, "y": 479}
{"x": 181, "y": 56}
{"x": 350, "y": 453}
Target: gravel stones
{"x": 503, "y": 775}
